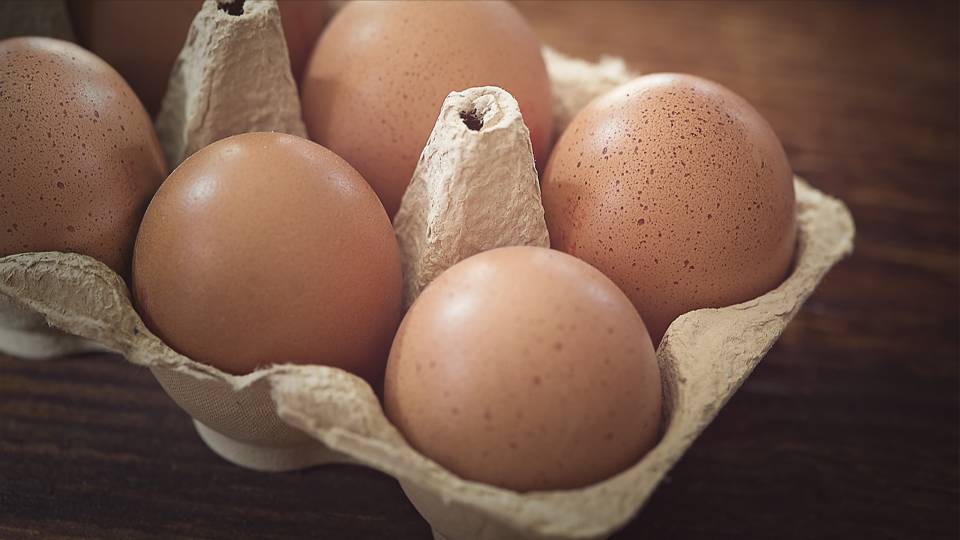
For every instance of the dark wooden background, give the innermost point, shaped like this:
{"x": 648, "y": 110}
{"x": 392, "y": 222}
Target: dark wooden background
{"x": 848, "y": 429}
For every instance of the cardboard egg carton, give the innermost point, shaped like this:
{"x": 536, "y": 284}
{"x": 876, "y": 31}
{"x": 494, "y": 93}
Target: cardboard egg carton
{"x": 289, "y": 417}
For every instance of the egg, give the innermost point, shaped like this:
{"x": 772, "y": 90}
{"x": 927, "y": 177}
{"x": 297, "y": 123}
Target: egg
{"x": 375, "y": 81}
{"x": 525, "y": 368}
{"x": 265, "y": 248}
{"x": 679, "y": 191}
{"x": 80, "y": 156}
{"x": 142, "y": 39}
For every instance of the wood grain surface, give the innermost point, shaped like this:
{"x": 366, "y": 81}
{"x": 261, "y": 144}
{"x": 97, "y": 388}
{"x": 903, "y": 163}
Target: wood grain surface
{"x": 848, "y": 429}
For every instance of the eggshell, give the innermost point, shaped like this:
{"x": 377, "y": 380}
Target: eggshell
{"x": 265, "y": 248}
{"x": 527, "y": 369}
{"x": 679, "y": 191}
{"x": 381, "y": 70}
{"x": 80, "y": 157}
{"x": 142, "y": 38}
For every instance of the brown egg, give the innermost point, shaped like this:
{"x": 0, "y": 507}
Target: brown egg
{"x": 142, "y": 38}
{"x": 80, "y": 157}
{"x": 679, "y": 191}
{"x": 375, "y": 82}
{"x": 525, "y": 368}
{"x": 266, "y": 248}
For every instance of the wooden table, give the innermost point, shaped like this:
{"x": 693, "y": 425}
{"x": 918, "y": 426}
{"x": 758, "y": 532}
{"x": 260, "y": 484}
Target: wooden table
{"x": 848, "y": 429}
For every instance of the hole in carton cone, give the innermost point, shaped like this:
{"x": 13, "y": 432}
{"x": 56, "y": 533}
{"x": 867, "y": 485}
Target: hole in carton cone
{"x": 231, "y": 7}
{"x": 473, "y": 119}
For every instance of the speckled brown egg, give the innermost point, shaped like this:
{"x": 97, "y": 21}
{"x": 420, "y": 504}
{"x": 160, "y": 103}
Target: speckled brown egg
{"x": 80, "y": 157}
{"x": 678, "y": 190}
{"x": 377, "y": 78}
{"x": 266, "y": 248}
{"x": 525, "y": 368}
{"x": 142, "y": 38}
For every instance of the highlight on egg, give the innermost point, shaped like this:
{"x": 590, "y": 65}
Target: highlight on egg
{"x": 381, "y": 70}
{"x": 266, "y": 248}
{"x": 679, "y": 191}
{"x": 525, "y": 368}
{"x": 80, "y": 155}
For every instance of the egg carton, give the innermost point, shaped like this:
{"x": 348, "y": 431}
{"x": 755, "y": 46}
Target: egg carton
{"x": 288, "y": 417}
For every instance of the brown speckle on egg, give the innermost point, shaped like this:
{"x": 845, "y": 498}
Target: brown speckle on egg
{"x": 50, "y": 162}
{"x": 704, "y": 190}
